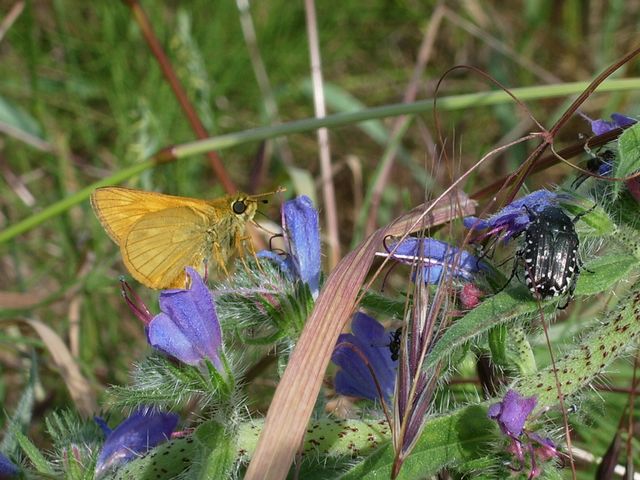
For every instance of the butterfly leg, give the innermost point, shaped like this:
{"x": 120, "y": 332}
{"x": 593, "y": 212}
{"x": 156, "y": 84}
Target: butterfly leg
{"x": 243, "y": 244}
{"x": 219, "y": 258}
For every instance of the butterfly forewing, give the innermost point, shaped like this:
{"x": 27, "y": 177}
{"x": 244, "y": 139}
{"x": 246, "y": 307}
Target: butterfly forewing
{"x": 159, "y": 246}
{"x": 118, "y": 208}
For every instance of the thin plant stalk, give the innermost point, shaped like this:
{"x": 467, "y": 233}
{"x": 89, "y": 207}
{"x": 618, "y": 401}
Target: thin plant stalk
{"x": 328, "y": 190}
{"x": 401, "y": 123}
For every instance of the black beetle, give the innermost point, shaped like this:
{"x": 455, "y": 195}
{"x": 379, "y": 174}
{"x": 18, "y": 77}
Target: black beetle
{"x": 550, "y": 254}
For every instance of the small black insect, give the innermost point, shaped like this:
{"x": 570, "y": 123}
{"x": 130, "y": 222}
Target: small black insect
{"x": 394, "y": 344}
{"x": 550, "y": 254}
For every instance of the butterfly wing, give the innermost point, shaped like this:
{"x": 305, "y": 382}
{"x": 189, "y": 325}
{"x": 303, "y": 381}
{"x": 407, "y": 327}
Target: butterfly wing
{"x": 159, "y": 245}
{"x": 118, "y": 208}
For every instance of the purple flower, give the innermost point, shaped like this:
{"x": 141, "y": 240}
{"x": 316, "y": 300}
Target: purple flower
{"x": 434, "y": 257}
{"x": 513, "y": 219}
{"x": 7, "y": 468}
{"x": 511, "y": 414}
{"x": 369, "y": 340}
{"x": 138, "y": 434}
{"x": 599, "y": 126}
{"x": 187, "y": 327}
{"x": 302, "y": 235}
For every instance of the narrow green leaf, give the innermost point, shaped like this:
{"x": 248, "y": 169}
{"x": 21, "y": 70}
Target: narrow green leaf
{"x": 19, "y": 120}
{"x": 607, "y": 271}
{"x": 33, "y": 453}
{"x": 164, "y": 462}
{"x": 21, "y": 417}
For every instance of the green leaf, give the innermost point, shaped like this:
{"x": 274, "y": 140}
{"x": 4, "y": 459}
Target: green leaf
{"x": 608, "y": 270}
{"x": 519, "y": 351}
{"x": 577, "y": 368}
{"x": 450, "y": 440}
{"x": 629, "y": 158}
{"x": 325, "y": 437}
{"x": 501, "y": 308}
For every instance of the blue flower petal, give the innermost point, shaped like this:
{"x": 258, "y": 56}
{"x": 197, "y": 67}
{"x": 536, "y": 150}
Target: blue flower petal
{"x": 164, "y": 335}
{"x": 513, "y": 219}
{"x": 600, "y": 126}
{"x": 434, "y": 256}
{"x": 284, "y": 263}
{"x": 135, "y": 436}
{"x": 354, "y": 377}
{"x": 7, "y": 468}
{"x": 302, "y": 227}
{"x": 188, "y": 327}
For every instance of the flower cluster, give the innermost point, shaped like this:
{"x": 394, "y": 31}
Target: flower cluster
{"x": 511, "y": 414}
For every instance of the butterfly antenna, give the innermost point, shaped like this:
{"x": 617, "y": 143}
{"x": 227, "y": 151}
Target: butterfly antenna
{"x": 268, "y": 194}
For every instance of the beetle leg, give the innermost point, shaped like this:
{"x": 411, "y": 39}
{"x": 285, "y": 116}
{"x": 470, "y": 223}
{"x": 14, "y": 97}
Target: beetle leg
{"x": 581, "y": 267}
{"x": 513, "y": 274}
{"x": 582, "y": 214}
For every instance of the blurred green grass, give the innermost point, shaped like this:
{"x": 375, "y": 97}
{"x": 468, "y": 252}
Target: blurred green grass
{"x": 91, "y": 92}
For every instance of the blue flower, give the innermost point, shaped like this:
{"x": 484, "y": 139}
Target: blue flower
{"x": 187, "y": 327}
{"x": 513, "y": 219}
{"x": 302, "y": 235}
{"x": 369, "y": 340}
{"x": 135, "y": 436}
{"x": 434, "y": 257}
{"x": 7, "y": 468}
{"x": 512, "y": 412}
{"x": 599, "y": 126}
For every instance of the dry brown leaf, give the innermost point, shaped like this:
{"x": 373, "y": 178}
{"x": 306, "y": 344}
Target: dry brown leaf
{"x": 78, "y": 386}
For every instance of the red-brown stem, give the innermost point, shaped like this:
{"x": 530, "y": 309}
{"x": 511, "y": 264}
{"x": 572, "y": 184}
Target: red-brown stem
{"x": 169, "y": 73}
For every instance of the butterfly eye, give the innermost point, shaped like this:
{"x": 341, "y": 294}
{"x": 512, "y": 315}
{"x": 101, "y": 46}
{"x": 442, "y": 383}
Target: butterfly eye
{"x": 238, "y": 207}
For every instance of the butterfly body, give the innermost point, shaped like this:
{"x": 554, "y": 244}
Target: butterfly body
{"x": 161, "y": 234}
